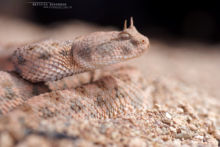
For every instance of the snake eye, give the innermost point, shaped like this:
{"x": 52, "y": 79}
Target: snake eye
{"x": 124, "y": 35}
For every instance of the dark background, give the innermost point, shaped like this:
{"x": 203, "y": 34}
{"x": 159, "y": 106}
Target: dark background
{"x": 181, "y": 20}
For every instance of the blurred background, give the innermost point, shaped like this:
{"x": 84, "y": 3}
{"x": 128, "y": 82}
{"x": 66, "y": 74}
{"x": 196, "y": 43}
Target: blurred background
{"x": 181, "y": 20}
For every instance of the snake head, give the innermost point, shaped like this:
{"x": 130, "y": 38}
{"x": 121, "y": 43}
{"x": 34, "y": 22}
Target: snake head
{"x": 103, "y": 48}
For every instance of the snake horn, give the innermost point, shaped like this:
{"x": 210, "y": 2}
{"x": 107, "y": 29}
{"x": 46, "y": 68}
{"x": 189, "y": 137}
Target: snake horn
{"x": 125, "y": 24}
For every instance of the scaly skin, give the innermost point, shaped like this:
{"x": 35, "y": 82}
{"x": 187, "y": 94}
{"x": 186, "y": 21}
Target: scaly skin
{"x": 101, "y": 98}
{"x": 53, "y": 60}
{"x": 117, "y": 93}
{"x": 15, "y": 91}
{"x": 110, "y": 111}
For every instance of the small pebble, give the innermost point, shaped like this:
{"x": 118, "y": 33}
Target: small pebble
{"x": 168, "y": 115}
{"x": 137, "y": 142}
{"x": 173, "y": 129}
{"x": 199, "y": 137}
